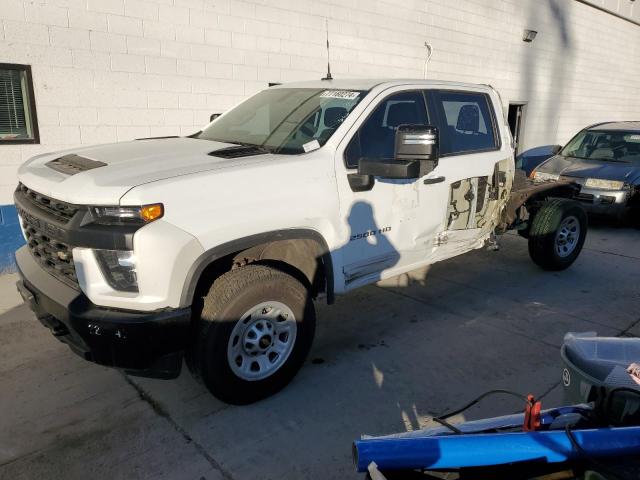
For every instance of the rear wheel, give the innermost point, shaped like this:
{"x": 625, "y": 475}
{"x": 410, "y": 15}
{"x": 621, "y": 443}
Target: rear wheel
{"x": 255, "y": 331}
{"x": 557, "y": 234}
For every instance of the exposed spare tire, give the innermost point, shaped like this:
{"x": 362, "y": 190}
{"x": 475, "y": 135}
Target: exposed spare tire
{"x": 557, "y": 233}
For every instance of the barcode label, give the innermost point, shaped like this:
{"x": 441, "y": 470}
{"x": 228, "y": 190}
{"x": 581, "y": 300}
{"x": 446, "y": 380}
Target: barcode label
{"x": 344, "y": 94}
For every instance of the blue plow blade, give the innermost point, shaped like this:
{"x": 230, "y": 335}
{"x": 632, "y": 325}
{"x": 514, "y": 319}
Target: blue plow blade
{"x": 437, "y": 448}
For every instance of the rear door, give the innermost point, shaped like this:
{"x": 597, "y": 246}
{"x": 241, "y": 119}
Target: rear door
{"x": 476, "y": 167}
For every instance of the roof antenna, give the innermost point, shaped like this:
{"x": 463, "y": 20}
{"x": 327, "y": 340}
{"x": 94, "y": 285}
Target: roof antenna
{"x": 328, "y": 77}
{"x": 426, "y": 62}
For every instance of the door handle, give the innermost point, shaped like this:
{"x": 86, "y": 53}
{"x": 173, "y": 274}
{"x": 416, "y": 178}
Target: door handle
{"x": 431, "y": 181}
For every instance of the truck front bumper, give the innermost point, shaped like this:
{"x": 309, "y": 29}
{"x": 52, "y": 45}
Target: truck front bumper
{"x": 142, "y": 343}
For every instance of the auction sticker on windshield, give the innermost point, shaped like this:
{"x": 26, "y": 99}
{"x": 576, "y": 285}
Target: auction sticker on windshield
{"x": 310, "y": 146}
{"x": 344, "y": 94}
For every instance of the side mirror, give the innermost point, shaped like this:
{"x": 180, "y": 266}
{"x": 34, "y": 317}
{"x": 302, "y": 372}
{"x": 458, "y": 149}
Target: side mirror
{"x": 555, "y": 149}
{"x": 214, "y": 116}
{"x": 389, "y": 168}
{"x": 416, "y": 154}
{"x": 417, "y": 142}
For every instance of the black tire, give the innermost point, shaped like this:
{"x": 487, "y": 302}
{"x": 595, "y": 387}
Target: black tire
{"x": 231, "y": 296}
{"x": 544, "y": 232}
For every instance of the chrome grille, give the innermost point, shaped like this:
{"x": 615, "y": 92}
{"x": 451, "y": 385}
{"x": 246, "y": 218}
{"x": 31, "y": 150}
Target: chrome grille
{"x": 61, "y": 211}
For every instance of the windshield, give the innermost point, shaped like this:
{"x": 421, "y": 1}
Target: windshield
{"x": 285, "y": 120}
{"x": 609, "y": 146}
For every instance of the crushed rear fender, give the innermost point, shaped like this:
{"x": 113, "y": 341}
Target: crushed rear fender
{"x": 525, "y": 190}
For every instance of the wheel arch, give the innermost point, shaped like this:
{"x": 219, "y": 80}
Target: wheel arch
{"x": 534, "y": 192}
{"x": 304, "y": 253}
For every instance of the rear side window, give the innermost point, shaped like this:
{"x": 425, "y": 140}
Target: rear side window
{"x": 377, "y": 135}
{"x": 466, "y": 122}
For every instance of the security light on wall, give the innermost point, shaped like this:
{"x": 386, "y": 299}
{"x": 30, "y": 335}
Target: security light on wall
{"x": 529, "y": 35}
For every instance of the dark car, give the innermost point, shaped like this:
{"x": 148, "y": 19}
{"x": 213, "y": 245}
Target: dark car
{"x": 530, "y": 159}
{"x": 604, "y": 159}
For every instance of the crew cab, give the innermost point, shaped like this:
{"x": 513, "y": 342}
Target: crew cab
{"x": 213, "y": 247}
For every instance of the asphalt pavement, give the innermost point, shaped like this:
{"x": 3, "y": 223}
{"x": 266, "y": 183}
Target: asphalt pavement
{"x": 386, "y": 358}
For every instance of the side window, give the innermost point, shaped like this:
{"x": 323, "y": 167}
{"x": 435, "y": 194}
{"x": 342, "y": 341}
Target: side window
{"x": 375, "y": 138}
{"x": 466, "y": 122}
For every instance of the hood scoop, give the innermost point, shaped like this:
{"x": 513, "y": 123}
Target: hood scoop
{"x": 238, "y": 151}
{"x": 72, "y": 164}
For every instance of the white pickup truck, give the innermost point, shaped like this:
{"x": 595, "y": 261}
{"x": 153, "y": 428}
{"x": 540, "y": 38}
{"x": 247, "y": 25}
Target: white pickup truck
{"x": 214, "y": 246}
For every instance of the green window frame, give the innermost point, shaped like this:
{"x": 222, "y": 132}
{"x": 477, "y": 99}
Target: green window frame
{"x": 18, "y": 118}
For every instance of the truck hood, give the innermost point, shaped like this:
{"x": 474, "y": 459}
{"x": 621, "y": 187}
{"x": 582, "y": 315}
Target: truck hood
{"x": 126, "y": 165}
{"x": 583, "y": 168}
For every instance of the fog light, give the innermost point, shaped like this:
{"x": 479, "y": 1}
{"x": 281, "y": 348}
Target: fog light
{"x": 118, "y": 268}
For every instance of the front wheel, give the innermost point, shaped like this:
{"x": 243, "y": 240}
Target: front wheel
{"x": 255, "y": 331}
{"x": 557, "y": 234}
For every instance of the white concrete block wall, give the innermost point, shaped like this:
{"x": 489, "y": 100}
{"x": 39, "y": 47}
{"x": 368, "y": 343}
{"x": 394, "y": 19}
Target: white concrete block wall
{"x": 113, "y": 70}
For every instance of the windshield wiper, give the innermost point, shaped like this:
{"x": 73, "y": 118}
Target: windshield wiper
{"x": 615, "y": 160}
{"x": 597, "y": 159}
{"x": 251, "y": 145}
{"x": 259, "y": 148}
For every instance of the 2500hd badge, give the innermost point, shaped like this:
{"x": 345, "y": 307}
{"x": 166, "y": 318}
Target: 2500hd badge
{"x": 370, "y": 233}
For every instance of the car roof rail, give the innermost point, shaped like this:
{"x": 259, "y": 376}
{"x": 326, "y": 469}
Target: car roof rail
{"x": 600, "y": 123}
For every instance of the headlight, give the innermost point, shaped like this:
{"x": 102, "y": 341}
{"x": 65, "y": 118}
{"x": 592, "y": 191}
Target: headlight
{"x": 545, "y": 177}
{"x": 127, "y": 215}
{"x": 118, "y": 268}
{"x": 604, "y": 184}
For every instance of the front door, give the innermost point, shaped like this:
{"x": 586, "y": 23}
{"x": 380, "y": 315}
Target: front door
{"x": 385, "y": 227}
